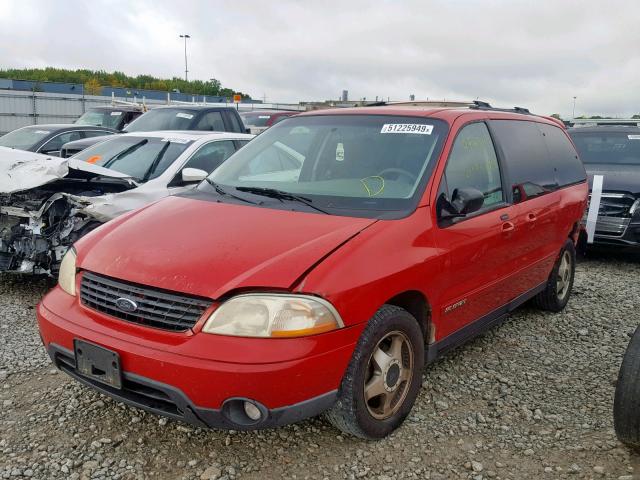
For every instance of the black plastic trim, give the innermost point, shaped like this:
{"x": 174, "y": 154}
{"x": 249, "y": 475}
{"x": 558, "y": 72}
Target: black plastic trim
{"x": 478, "y": 327}
{"x": 174, "y": 403}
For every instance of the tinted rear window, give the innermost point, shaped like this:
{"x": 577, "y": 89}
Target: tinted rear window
{"x": 527, "y": 157}
{"x": 616, "y": 148}
{"x": 564, "y": 158}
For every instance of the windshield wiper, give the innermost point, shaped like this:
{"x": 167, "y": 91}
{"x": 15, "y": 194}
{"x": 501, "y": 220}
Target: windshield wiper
{"x": 222, "y": 191}
{"x": 156, "y": 161}
{"x": 281, "y": 195}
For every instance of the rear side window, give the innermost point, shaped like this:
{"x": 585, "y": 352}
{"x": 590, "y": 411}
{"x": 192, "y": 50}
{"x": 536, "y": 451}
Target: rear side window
{"x": 211, "y": 121}
{"x": 473, "y": 164}
{"x": 563, "y": 156}
{"x": 235, "y": 123}
{"x": 526, "y": 157}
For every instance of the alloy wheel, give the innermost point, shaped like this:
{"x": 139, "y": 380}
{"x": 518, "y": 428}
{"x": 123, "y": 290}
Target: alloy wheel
{"x": 389, "y": 374}
{"x": 564, "y": 275}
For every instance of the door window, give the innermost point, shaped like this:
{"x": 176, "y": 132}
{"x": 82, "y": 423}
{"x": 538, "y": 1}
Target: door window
{"x": 211, "y": 121}
{"x": 55, "y": 144}
{"x": 473, "y": 164}
{"x": 210, "y": 156}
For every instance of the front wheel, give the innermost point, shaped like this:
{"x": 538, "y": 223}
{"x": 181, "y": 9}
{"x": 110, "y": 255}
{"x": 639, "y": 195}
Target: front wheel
{"x": 558, "y": 288}
{"x": 382, "y": 380}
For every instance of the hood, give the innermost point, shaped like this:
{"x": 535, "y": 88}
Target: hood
{"x": 21, "y": 170}
{"x": 624, "y": 178}
{"x": 207, "y": 248}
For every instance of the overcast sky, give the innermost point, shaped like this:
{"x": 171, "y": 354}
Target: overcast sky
{"x": 538, "y": 54}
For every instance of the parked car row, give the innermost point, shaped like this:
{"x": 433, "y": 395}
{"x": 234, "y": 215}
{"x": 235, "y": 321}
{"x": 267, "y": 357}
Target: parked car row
{"x": 67, "y": 140}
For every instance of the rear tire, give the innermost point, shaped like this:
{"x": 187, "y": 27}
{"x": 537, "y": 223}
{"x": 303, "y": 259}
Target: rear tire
{"x": 383, "y": 378}
{"x": 626, "y": 403}
{"x": 560, "y": 283}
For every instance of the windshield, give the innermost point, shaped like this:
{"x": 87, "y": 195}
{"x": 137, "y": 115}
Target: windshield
{"x": 615, "y": 148}
{"x": 163, "y": 119}
{"x": 345, "y": 162}
{"x": 101, "y": 118}
{"x": 143, "y": 158}
{"x": 255, "y": 119}
{"x": 24, "y": 138}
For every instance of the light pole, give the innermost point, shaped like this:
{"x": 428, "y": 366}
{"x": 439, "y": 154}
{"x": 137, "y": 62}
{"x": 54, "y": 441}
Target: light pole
{"x": 186, "y": 70}
{"x": 574, "y": 107}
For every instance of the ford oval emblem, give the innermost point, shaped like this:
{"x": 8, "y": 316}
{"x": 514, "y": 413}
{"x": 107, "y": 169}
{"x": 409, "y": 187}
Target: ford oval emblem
{"x": 126, "y": 305}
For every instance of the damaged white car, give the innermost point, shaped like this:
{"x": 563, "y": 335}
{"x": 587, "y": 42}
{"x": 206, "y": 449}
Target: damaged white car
{"x": 47, "y": 203}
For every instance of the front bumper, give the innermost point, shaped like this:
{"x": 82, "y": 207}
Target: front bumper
{"x": 200, "y": 378}
{"x": 169, "y": 401}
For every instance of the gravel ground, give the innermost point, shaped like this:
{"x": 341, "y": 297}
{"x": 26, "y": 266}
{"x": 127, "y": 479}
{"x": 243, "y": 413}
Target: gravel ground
{"x": 530, "y": 399}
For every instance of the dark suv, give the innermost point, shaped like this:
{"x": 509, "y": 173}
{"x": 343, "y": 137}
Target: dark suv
{"x": 187, "y": 117}
{"x": 614, "y": 153}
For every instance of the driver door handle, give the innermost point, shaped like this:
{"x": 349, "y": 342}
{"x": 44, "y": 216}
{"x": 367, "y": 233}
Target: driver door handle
{"x": 508, "y": 227}
{"x": 531, "y": 217}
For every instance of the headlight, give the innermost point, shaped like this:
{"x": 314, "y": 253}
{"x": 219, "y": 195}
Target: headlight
{"x": 273, "y": 315}
{"x": 635, "y": 210}
{"x": 67, "y": 274}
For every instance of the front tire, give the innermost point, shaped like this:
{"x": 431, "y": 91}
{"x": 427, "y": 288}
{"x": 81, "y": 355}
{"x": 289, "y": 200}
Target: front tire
{"x": 626, "y": 403}
{"x": 383, "y": 378}
{"x": 558, "y": 289}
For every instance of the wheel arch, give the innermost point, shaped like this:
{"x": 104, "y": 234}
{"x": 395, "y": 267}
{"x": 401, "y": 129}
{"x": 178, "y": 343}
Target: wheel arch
{"x": 417, "y": 304}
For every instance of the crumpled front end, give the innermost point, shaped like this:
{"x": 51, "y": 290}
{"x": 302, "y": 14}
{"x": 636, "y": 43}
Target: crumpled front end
{"x": 37, "y": 228}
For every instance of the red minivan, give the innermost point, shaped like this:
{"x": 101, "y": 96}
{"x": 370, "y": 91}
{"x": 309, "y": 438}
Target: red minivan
{"x": 321, "y": 266}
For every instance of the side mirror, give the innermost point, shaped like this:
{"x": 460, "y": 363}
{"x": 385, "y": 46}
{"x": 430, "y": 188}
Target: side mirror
{"x": 464, "y": 202}
{"x": 467, "y": 200}
{"x": 193, "y": 175}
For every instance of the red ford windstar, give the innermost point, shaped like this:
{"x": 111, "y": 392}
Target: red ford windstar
{"x": 321, "y": 266}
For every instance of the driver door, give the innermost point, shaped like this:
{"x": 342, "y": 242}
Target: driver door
{"x": 478, "y": 246}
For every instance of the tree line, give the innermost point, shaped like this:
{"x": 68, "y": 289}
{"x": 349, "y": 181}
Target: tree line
{"x": 94, "y": 80}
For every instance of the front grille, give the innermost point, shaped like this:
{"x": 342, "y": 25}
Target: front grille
{"x": 614, "y": 214}
{"x": 155, "y": 308}
{"x": 612, "y": 225}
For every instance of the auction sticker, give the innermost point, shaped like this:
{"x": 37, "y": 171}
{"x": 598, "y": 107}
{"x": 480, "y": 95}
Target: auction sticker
{"x": 188, "y": 116}
{"x": 418, "y": 128}
{"x": 115, "y": 114}
{"x": 633, "y": 137}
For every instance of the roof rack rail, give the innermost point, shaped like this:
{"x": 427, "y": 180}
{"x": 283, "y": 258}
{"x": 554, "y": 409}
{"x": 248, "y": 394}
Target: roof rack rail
{"x": 480, "y": 105}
